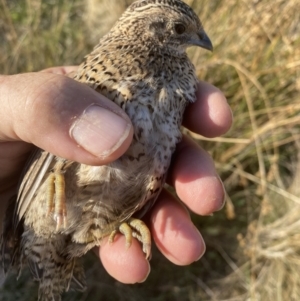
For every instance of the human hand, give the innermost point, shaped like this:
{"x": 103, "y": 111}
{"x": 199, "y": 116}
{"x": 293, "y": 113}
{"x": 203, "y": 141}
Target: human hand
{"x": 39, "y": 108}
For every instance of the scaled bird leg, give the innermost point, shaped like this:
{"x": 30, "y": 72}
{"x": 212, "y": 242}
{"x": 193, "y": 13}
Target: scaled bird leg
{"x": 56, "y": 198}
{"x": 134, "y": 228}
{"x": 50, "y": 193}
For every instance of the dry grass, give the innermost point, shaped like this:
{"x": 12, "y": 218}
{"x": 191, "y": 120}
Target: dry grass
{"x": 254, "y": 244}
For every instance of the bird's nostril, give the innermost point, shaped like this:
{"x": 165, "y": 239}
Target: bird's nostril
{"x": 201, "y": 35}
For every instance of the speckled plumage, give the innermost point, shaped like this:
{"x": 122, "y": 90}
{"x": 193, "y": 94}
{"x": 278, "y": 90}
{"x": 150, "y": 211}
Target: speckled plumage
{"x": 142, "y": 66}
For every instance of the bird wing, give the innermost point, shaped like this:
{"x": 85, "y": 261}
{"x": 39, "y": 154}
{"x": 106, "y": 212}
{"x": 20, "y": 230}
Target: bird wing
{"x": 35, "y": 170}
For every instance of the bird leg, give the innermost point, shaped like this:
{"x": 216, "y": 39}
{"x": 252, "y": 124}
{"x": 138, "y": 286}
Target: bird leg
{"x": 50, "y": 193}
{"x": 134, "y": 228}
{"x": 56, "y": 198}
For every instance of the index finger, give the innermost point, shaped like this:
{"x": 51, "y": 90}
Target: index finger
{"x": 210, "y": 115}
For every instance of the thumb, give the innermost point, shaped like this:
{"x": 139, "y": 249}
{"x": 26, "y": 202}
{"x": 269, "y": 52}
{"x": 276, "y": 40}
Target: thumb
{"x": 62, "y": 116}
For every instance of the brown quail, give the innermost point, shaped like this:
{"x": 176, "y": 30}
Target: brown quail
{"x": 64, "y": 208}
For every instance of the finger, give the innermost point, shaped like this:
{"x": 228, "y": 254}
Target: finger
{"x": 63, "y": 70}
{"x": 195, "y": 179}
{"x": 64, "y": 117}
{"x": 126, "y": 265}
{"x": 210, "y": 115}
{"x": 174, "y": 233}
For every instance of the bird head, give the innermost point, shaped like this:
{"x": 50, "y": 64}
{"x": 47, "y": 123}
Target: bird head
{"x": 171, "y": 24}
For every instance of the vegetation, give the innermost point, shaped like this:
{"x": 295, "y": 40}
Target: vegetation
{"x": 253, "y": 244}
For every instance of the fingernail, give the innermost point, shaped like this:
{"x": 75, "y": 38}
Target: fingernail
{"x": 100, "y": 131}
{"x": 224, "y": 194}
{"x": 149, "y": 270}
{"x": 203, "y": 250}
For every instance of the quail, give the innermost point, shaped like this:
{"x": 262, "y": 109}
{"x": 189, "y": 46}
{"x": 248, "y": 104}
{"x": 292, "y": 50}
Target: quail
{"x": 64, "y": 208}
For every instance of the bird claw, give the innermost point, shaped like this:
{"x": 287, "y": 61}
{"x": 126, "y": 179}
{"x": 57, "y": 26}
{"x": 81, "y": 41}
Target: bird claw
{"x": 61, "y": 221}
{"x": 134, "y": 228}
{"x": 56, "y": 199}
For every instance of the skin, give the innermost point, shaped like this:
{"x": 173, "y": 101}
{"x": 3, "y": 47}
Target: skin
{"x": 33, "y": 104}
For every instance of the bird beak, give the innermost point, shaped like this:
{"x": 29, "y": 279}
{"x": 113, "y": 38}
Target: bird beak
{"x": 203, "y": 41}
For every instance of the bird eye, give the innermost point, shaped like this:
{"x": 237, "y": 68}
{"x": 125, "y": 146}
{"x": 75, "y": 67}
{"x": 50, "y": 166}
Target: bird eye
{"x": 179, "y": 28}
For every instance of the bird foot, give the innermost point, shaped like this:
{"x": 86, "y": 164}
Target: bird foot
{"x": 134, "y": 228}
{"x": 56, "y": 199}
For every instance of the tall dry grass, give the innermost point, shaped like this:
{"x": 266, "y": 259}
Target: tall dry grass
{"x": 257, "y": 64}
{"x": 254, "y": 244}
